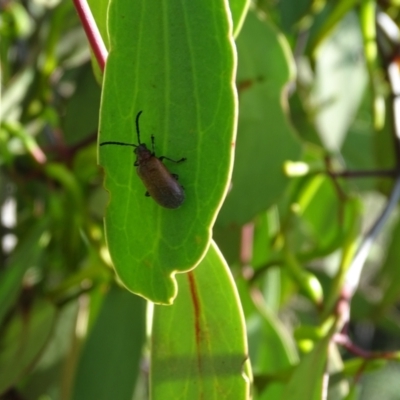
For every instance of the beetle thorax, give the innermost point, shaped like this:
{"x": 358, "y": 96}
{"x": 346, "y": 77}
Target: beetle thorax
{"x": 143, "y": 153}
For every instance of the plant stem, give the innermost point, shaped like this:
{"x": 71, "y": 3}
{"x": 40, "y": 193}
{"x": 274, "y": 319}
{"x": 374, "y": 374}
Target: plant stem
{"x": 92, "y": 32}
{"x": 390, "y": 173}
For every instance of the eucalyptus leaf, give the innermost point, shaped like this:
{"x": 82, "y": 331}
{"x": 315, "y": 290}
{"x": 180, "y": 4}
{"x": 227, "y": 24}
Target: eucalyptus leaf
{"x": 175, "y": 62}
{"x": 199, "y": 346}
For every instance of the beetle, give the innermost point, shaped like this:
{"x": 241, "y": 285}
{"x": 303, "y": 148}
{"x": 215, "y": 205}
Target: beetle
{"x": 161, "y": 185}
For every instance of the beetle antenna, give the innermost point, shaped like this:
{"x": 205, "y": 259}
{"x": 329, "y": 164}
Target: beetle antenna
{"x": 128, "y": 144}
{"x": 137, "y": 125}
{"x": 119, "y": 144}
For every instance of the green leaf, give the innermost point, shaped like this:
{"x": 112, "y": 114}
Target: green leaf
{"x": 341, "y": 79}
{"x": 109, "y": 364}
{"x": 294, "y": 14}
{"x": 239, "y": 10}
{"x": 23, "y": 339}
{"x": 354, "y": 393}
{"x": 22, "y": 22}
{"x": 352, "y": 368}
{"x": 265, "y": 68}
{"x": 272, "y": 350}
{"x": 307, "y": 381}
{"x": 56, "y": 362}
{"x": 322, "y": 215}
{"x": 23, "y": 257}
{"x": 199, "y": 344}
{"x": 362, "y": 145}
{"x": 382, "y": 384}
{"x": 13, "y": 95}
{"x": 82, "y": 110}
{"x": 175, "y": 62}
{"x": 333, "y": 15}
{"x": 228, "y": 239}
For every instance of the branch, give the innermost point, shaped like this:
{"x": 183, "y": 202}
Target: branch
{"x": 345, "y": 341}
{"x": 393, "y": 76}
{"x": 92, "y": 32}
{"x": 382, "y": 173}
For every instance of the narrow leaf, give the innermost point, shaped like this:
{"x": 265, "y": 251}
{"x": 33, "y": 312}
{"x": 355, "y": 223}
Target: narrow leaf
{"x": 199, "y": 348}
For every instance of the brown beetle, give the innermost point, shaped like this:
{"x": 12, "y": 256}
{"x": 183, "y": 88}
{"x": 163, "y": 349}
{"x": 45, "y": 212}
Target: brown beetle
{"x": 161, "y": 185}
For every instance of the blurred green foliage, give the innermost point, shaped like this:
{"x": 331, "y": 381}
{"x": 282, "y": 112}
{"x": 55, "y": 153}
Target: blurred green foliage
{"x": 312, "y": 90}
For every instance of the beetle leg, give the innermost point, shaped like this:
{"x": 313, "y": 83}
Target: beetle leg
{"x": 170, "y": 159}
{"x": 147, "y": 194}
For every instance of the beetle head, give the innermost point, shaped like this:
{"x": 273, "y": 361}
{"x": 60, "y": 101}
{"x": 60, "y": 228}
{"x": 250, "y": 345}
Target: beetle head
{"x": 142, "y": 152}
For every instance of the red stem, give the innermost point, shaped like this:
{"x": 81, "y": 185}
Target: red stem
{"x": 92, "y": 32}
{"x": 367, "y": 355}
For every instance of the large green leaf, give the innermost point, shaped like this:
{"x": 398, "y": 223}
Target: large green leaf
{"x": 199, "y": 344}
{"x": 99, "y": 10}
{"x": 175, "y": 61}
{"x": 265, "y": 138}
